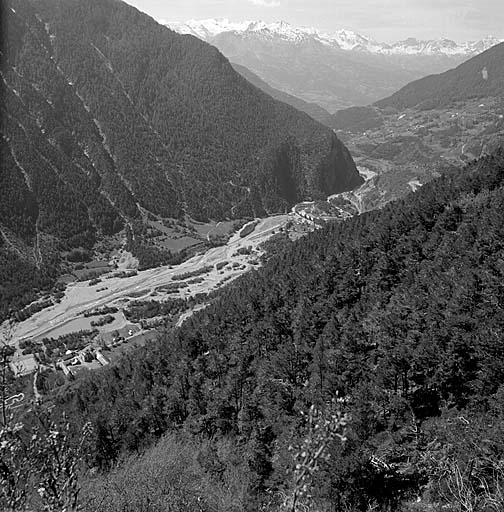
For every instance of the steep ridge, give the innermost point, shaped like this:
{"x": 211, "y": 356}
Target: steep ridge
{"x": 312, "y": 109}
{"x": 106, "y": 112}
{"x": 480, "y": 77}
{"x": 167, "y": 110}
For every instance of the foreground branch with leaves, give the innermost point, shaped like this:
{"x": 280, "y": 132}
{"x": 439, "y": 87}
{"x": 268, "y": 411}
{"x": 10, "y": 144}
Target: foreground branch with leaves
{"x": 41, "y": 467}
{"x": 324, "y": 425}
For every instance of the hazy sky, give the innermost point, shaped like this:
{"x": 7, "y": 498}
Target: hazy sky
{"x": 385, "y": 20}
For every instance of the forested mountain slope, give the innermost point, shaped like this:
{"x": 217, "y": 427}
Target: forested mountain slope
{"x": 479, "y": 77}
{"x": 312, "y": 109}
{"x": 105, "y": 111}
{"x": 399, "y": 312}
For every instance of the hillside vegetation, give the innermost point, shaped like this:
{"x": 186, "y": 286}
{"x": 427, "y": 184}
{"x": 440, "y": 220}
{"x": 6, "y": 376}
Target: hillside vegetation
{"x": 397, "y": 312}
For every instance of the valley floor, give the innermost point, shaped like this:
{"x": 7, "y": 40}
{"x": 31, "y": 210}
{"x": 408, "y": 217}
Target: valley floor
{"x": 217, "y": 266}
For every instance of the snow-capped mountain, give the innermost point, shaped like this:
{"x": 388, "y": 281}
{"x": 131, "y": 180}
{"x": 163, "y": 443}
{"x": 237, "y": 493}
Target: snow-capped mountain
{"x": 210, "y": 28}
{"x": 341, "y": 39}
{"x": 206, "y": 29}
{"x": 441, "y": 46}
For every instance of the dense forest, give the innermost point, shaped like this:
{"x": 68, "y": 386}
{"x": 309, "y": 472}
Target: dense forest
{"x": 312, "y": 109}
{"x": 104, "y": 110}
{"x": 376, "y": 342}
{"x": 479, "y": 77}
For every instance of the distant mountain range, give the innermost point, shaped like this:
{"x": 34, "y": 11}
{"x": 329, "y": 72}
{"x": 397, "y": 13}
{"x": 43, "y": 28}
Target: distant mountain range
{"x": 342, "y": 39}
{"x": 334, "y": 70}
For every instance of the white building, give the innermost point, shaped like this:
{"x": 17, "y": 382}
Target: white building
{"x": 23, "y": 365}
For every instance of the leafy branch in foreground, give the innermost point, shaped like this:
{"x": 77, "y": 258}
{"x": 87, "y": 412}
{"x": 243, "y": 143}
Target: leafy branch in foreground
{"x": 323, "y": 427}
{"x": 41, "y": 466}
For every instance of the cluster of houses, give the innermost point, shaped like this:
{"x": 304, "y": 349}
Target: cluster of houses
{"x": 307, "y": 216}
{"x": 74, "y": 361}
{"x": 321, "y": 219}
{"x": 22, "y": 365}
{"x": 71, "y": 361}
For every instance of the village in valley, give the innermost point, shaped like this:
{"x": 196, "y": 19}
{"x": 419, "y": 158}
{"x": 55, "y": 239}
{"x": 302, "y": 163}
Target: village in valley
{"x": 111, "y": 307}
